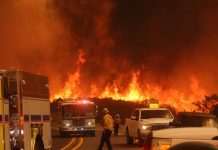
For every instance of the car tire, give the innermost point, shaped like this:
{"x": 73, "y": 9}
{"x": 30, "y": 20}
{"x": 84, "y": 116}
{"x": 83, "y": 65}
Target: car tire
{"x": 140, "y": 140}
{"x": 129, "y": 140}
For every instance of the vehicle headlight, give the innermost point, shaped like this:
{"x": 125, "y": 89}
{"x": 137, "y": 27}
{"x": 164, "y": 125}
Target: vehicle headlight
{"x": 90, "y": 122}
{"x": 21, "y": 132}
{"x": 66, "y": 123}
{"x": 144, "y": 127}
{"x": 161, "y": 144}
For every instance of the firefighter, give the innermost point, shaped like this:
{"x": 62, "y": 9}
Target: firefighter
{"x": 108, "y": 127}
{"x": 117, "y": 121}
{"x": 39, "y": 145}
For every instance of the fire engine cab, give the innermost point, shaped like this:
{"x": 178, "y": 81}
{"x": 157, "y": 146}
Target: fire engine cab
{"x": 24, "y": 111}
{"x": 76, "y": 117}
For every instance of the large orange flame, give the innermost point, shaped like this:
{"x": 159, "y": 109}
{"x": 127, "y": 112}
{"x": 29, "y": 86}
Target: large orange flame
{"x": 133, "y": 92}
{"x": 71, "y": 87}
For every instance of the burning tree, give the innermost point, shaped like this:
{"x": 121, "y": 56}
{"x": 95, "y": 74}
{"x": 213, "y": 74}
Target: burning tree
{"x": 207, "y": 104}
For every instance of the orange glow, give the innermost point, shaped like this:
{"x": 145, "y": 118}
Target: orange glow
{"x": 133, "y": 91}
{"x": 71, "y": 87}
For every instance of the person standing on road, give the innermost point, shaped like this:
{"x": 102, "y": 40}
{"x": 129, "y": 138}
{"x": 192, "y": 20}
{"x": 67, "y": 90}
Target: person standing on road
{"x": 117, "y": 121}
{"x": 108, "y": 127}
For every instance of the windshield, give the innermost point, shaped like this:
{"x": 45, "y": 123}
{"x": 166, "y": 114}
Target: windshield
{"x": 146, "y": 114}
{"x": 84, "y": 110}
{"x": 197, "y": 121}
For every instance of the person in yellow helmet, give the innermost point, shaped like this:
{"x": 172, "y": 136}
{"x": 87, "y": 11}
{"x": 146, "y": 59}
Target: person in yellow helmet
{"x": 108, "y": 128}
{"x": 117, "y": 121}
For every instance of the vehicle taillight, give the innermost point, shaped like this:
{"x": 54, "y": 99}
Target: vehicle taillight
{"x": 21, "y": 121}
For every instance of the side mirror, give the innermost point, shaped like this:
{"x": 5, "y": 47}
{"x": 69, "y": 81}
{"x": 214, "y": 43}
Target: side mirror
{"x": 133, "y": 117}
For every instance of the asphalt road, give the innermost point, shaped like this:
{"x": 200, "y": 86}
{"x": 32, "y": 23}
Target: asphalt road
{"x": 90, "y": 143}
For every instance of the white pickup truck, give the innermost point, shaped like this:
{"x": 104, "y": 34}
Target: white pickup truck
{"x": 145, "y": 120}
{"x": 187, "y": 127}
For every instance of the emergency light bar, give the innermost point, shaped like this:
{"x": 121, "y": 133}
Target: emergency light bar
{"x": 153, "y": 103}
{"x": 75, "y": 102}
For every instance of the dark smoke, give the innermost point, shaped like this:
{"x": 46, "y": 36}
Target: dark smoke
{"x": 169, "y": 41}
{"x": 33, "y": 38}
{"x": 173, "y": 39}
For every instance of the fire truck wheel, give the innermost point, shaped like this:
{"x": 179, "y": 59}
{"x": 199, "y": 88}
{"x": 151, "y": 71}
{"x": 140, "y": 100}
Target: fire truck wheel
{"x": 39, "y": 144}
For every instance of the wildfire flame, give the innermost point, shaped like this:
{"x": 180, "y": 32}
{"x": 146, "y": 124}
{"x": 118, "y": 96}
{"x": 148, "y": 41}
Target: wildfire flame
{"x": 71, "y": 87}
{"x": 133, "y": 92}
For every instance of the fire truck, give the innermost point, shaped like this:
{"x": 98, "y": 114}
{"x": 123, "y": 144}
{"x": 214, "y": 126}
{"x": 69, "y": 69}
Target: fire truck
{"x": 77, "y": 117}
{"x": 24, "y": 111}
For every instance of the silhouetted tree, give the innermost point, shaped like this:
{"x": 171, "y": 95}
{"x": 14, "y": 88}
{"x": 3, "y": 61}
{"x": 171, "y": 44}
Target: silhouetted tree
{"x": 215, "y": 110}
{"x": 207, "y": 104}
